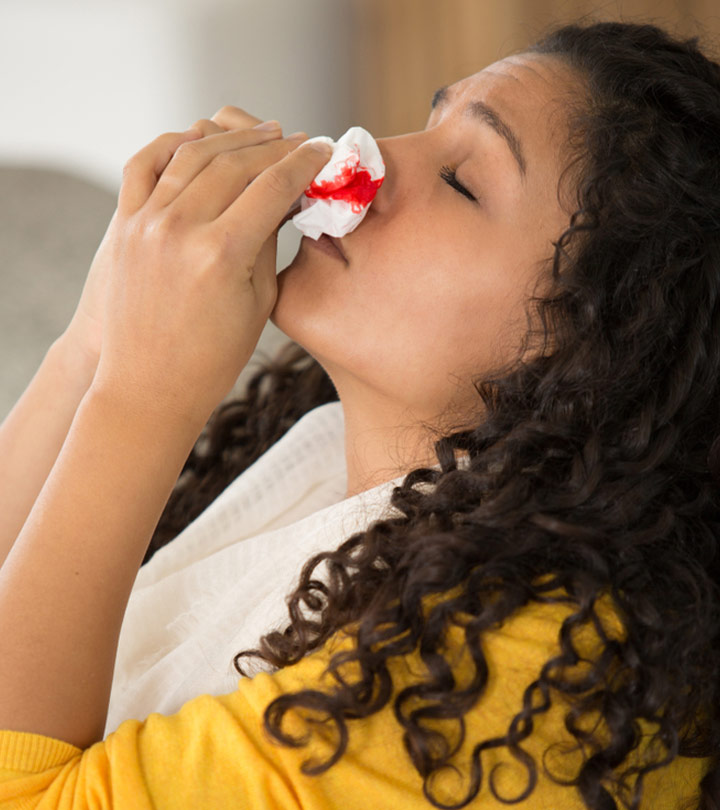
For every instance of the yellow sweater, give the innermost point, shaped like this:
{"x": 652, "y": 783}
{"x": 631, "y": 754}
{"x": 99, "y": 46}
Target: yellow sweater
{"x": 214, "y": 752}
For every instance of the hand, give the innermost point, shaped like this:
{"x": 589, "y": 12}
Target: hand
{"x": 82, "y": 338}
{"x": 191, "y": 264}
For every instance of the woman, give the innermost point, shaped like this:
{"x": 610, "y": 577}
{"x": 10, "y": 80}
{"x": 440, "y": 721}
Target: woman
{"x": 547, "y": 597}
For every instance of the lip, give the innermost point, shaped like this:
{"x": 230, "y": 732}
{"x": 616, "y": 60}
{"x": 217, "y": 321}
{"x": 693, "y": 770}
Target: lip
{"x": 338, "y": 245}
{"x": 328, "y": 244}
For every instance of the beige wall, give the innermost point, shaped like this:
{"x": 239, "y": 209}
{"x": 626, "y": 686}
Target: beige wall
{"x": 405, "y": 49}
{"x": 85, "y": 84}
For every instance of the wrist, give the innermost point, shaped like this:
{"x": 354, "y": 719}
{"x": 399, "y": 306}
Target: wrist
{"x": 168, "y": 420}
{"x": 75, "y": 365}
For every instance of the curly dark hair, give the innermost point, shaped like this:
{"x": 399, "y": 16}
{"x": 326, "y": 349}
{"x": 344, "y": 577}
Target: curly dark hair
{"x": 588, "y": 470}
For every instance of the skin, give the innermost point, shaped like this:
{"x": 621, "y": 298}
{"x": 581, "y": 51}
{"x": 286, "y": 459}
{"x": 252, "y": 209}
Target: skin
{"x": 173, "y": 308}
{"x": 428, "y": 262}
{"x": 188, "y": 273}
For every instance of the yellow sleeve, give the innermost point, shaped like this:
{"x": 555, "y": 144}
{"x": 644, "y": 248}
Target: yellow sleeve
{"x": 214, "y": 752}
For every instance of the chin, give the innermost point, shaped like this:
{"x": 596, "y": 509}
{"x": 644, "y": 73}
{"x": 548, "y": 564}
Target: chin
{"x": 309, "y": 292}
{"x": 285, "y": 313}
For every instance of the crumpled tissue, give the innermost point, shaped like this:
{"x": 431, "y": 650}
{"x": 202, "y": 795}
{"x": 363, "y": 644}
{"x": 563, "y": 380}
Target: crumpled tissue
{"x": 338, "y": 198}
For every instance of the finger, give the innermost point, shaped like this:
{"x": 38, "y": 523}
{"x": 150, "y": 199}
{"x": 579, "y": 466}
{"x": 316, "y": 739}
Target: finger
{"x": 262, "y": 206}
{"x": 191, "y": 158}
{"x": 227, "y": 176}
{"x": 208, "y": 127}
{"x": 294, "y": 208}
{"x": 264, "y": 277}
{"x": 141, "y": 172}
{"x": 230, "y": 117}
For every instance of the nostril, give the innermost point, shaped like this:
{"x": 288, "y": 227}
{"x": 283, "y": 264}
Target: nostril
{"x": 385, "y": 190}
{"x": 379, "y": 202}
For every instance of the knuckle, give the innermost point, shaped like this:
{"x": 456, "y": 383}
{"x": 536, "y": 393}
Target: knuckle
{"x": 277, "y": 180}
{"x": 137, "y": 158}
{"x": 229, "y": 111}
{"x": 148, "y": 153}
{"x": 216, "y": 250}
{"x": 139, "y": 226}
{"x": 189, "y": 150}
{"x": 206, "y": 126}
{"x": 162, "y": 228}
{"x": 231, "y": 117}
{"x": 227, "y": 161}
{"x": 132, "y": 165}
{"x": 128, "y": 167}
{"x": 163, "y": 141}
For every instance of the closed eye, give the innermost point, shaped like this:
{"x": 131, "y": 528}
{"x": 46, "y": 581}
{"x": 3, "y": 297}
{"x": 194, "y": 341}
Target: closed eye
{"x": 449, "y": 176}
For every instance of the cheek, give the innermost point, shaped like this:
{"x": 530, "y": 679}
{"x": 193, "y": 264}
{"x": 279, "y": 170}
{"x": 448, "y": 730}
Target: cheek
{"x": 454, "y": 284}
{"x": 440, "y": 304}
{"x": 423, "y": 302}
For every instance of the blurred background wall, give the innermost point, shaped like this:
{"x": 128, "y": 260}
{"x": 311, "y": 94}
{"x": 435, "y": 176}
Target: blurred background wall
{"x": 406, "y": 49}
{"x": 85, "y": 84}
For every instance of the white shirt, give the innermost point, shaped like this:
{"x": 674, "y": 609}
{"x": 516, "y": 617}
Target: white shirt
{"x": 222, "y": 582}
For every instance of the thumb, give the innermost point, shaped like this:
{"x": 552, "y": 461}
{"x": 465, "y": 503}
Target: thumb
{"x": 261, "y": 208}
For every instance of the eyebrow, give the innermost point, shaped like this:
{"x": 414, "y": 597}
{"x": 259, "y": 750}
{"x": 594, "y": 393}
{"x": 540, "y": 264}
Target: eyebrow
{"x": 482, "y": 112}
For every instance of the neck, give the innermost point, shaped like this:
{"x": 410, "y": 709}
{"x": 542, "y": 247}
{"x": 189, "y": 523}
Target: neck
{"x": 382, "y": 442}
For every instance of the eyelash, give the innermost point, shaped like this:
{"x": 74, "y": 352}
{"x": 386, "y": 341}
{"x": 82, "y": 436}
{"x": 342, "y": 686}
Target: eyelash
{"x": 450, "y": 177}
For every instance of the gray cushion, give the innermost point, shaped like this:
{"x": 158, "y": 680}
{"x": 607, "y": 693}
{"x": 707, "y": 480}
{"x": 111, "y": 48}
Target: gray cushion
{"x": 51, "y": 224}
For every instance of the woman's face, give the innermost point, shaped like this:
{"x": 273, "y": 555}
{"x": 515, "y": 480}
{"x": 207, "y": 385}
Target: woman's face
{"x": 435, "y": 283}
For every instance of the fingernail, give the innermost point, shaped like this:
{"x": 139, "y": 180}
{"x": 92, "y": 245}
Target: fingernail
{"x": 322, "y": 147}
{"x": 297, "y": 136}
{"x": 268, "y": 125}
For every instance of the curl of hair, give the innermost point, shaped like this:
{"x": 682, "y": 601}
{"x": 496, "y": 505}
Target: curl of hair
{"x": 588, "y": 470}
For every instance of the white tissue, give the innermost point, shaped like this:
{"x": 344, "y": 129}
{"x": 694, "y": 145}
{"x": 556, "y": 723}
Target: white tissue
{"x": 338, "y": 198}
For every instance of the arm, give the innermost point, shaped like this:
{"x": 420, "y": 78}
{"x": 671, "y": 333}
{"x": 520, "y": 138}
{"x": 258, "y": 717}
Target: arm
{"x": 65, "y": 584}
{"x": 33, "y": 433}
{"x": 192, "y": 286}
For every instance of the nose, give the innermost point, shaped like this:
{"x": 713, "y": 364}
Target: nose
{"x": 378, "y": 203}
{"x": 400, "y": 155}
{"x": 408, "y": 168}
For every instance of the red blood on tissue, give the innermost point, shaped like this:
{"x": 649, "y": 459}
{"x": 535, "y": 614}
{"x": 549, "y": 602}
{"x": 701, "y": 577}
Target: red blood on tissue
{"x": 350, "y": 185}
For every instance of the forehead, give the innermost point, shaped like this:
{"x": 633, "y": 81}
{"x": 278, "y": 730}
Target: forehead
{"x": 524, "y": 79}
{"x": 530, "y": 91}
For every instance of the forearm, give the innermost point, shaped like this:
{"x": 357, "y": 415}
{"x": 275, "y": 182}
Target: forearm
{"x": 33, "y": 433}
{"x": 66, "y": 581}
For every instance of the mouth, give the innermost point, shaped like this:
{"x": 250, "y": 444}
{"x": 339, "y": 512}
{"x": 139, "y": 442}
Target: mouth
{"x": 327, "y": 244}
{"x": 338, "y": 246}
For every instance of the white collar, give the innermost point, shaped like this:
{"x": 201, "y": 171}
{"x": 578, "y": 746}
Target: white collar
{"x": 221, "y": 584}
